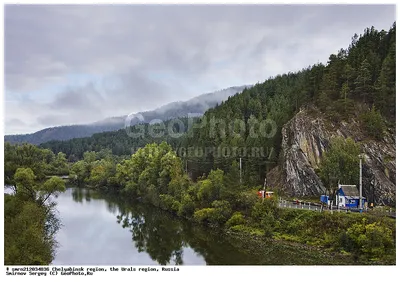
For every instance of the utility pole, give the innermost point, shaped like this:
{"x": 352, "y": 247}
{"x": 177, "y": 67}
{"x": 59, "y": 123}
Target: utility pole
{"x": 240, "y": 167}
{"x": 265, "y": 187}
{"x": 186, "y": 167}
{"x": 361, "y": 204}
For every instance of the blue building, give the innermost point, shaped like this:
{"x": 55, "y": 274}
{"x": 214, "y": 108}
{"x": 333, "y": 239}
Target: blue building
{"x": 325, "y": 199}
{"x": 348, "y": 196}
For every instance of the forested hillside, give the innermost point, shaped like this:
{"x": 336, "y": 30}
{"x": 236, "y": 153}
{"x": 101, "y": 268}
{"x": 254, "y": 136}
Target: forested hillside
{"x": 364, "y": 73}
{"x": 126, "y": 141}
{"x": 358, "y": 78}
{"x": 210, "y": 169}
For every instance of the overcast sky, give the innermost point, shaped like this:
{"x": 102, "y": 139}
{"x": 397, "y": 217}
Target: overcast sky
{"x": 79, "y": 64}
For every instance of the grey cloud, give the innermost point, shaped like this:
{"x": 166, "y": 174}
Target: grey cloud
{"x": 185, "y": 38}
{"x": 199, "y": 47}
{"x": 120, "y": 93}
{"x": 134, "y": 91}
{"x": 85, "y": 98}
{"x": 15, "y": 122}
{"x": 50, "y": 120}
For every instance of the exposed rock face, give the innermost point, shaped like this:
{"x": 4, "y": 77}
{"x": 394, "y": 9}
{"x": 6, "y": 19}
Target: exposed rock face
{"x": 307, "y": 135}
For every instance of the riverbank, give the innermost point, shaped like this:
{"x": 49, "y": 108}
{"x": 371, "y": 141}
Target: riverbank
{"x": 309, "y": 255}
{"x": 136, "y": 233}
{"x": 163, "y": 233}
{"x": 336, "y": 248}
{"x": 339, "y": 238}
{"x": 306, "y": 251}
{"x": 312, "y": 237}
{"x": 154, "y": 174}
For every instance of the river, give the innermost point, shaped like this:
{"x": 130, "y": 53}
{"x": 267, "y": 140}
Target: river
{"x": 102, "y": 230}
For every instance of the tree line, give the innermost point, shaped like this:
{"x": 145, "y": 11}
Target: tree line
{"x": 155, "y": 175}
{"x": 222, "y": 190}
{"x": 30, "y": 222}
{"x": 357, "y": 82}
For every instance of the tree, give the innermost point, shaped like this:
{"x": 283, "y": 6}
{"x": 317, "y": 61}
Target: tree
{"x": 232, "y": 184}
{"x": 340, "y": 163}
{"x": 25, "y": 238}
{"x": 344, "y": 94}
{"x": 37, "y": 192}
{"x": 89, "y": 157}
{"x": 386, "y": 85}
{"x": 373, "y": 123}
{"x": 26, "y": 156}
{"x": 79, "y": 173}
{"x": 59, "y": 165}
{"x": 364, "y": 81}
{"x": 29, "y": 218}
{"x": 102, "y": 173}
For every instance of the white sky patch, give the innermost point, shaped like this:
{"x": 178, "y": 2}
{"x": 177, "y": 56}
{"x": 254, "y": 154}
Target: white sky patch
{"x": 61, "y": 68}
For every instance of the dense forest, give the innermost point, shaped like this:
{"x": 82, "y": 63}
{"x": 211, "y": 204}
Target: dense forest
{"x": 358, "y": 79}
{"x": 195, "y": 172}
{"x": 126, "y": 141}
{"x": 155, "y": 175}
{"x": 363, "y": 74}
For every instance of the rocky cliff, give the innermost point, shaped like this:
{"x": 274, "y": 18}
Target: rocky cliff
{"x": 307, "y": 135}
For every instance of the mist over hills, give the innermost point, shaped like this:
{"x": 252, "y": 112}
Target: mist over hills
{"x": 195, "y": 106}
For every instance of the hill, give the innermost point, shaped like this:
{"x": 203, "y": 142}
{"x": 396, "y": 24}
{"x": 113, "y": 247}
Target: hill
{"x": 281, "y": 130}
{"x": 197, "y": 106}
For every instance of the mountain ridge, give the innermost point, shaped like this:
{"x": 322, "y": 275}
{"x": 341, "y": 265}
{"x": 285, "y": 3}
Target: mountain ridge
{"x": 196, "y": 105}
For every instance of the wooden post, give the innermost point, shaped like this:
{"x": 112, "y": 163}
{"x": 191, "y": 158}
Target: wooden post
{"x": 240, "y": 166}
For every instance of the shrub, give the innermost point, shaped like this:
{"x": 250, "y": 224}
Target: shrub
{"x": 377, "y": 240}
{"x": 236, "y": 219}
{"x": 208, "y": 216}
{"x": 248, "y": 230}
{"x": 372, "y": 240}
{"x": 223, "y": 208}
{"x": 246, "y": 200}
{"x": 268, "y": 224}
{"x": 187, "y": 207}
{"x": 167, "y": 202}
{"x": 373, "y": 123}
{"x": 260, "y": 209}
{"x": 204, "y": 194}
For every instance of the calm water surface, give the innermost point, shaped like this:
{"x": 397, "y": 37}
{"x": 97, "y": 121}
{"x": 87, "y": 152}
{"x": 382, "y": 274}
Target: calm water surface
{"x": 101, "y": 230}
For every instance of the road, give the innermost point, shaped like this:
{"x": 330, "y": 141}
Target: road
{"x": 317, "y": 207}
{"x": 300, "y": 205}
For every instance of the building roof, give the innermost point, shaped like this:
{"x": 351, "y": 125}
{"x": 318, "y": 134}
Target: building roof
{"x": 350, "y": 190}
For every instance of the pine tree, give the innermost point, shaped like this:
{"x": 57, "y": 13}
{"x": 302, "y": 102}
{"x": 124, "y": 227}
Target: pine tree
{"x": 386, "y": 85}
{"x": 363, "y": 81}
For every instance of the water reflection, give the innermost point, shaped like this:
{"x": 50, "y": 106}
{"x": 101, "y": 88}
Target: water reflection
{"x": 155, "y": 233}
{"x": 167, "y": 240}
{"x": 103, "y": 230}
{"x": 77, "y": 195}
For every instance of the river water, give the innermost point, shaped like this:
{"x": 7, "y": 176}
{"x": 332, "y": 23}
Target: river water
{"x": 102, "y": 230}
